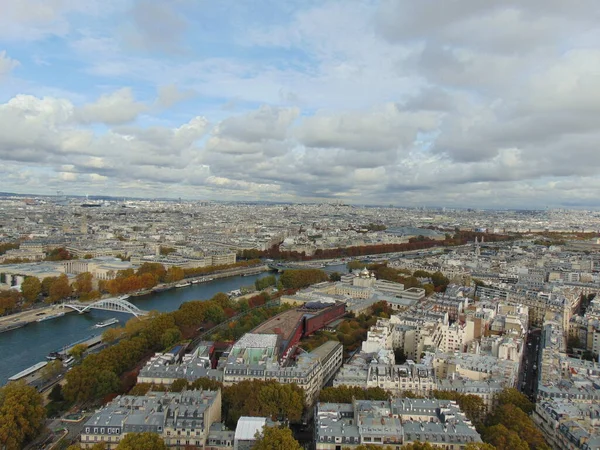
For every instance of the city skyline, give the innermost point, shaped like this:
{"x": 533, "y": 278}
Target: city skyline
{"x": 374, "y": 102}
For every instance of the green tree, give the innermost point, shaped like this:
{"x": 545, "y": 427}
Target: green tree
{"x": 112, "y": 334}
{"x": 77, "y": 351}
{"x": 335, "y": 276}
{"x": 52, "y": 369}
{"x": 107, "y": 382}
{"x": 60, "y": 289}
{"x": 31, "y": 288}
{"x": 206, "y": 384}
{"x": 262, "y": 398}
{"x": 214, "y": 313}
{"x": 56, "y": 393}
{"x": 21, "y": 415}
{"x": 265, "y": 282}
{"x": 83, "y": 283}
{"x": 138, "y": 441}
{"x": 47, "y": 284}
{"x": 140, "y": 389}
{"x": 511, "y": 396}
{"x": 514, "y": 419}
{"x": 354, "y": 265}
{"x": 178, "y": 385}
{"x": 170, "y": 337}
{"x": 479, "y": 446}
{"x": 296, "y": 279}
{"x": 174, "y": 274}
{"x": 276, "y": 438}
{"x": 418, "y": 446}
{"x": 504, "y": 439}
{"x": 166, "y": 250}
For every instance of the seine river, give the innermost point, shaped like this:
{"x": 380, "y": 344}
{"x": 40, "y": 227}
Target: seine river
{"x": 24, "y": 347}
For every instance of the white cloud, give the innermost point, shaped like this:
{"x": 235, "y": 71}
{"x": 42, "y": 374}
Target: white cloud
{"x": 393, "y": 101}
{"x": 170, "y": 94}
{"x": 116, "y": 108}
{"x": 7, "y": 64}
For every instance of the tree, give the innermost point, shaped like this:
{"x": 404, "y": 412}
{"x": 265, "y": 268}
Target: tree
{"x": 504, "y": 439}
{"x": 262, "y": 398}
{"x": 60, "y": 289}
{"x": 514, "y": 419}
{"x": 137, "y": 441}
{"x": 206, "y": 384}
{"x": 112, "y": 334}
{"x": 174, "y": 274}
{"x": 170, "y": 337}
{"x": 276, "y": 438}
{"x": 31, "y": 288}
{"x": 479, "y": 446}
{"x": 47, "y": 284}
{"x": 418, "y": 446}
{"x": 52, "y": 369}
{"x": 107, "y": 382}
{"x": 77, "y": 351}
{"x": 56, "y": 393}
{"x": 140, "y": 389}
{"x": 83, "y": 283}
{"x": 166, "y": 250}
{"x": 345, "y": 394}
{"x": 335, "y": 276}
{"x": 21, "y": 415}
{"x": 178, "y": 385}
{"x": 511, "y": 396}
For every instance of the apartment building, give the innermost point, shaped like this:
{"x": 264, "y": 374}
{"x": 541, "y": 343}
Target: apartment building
{"x": 181, "y": 419}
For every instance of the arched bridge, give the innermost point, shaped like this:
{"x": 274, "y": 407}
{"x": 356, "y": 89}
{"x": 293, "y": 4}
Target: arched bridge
{"x": 109, "y": 304}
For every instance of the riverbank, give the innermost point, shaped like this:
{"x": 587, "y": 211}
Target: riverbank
{"x": 20, "y": 319}
{"x": 23, "y": 318}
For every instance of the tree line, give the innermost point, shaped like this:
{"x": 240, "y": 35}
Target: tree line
{"x": 416, "y": 243}
{"x": 110, "y": 371}
{"x": 56, "y": 289}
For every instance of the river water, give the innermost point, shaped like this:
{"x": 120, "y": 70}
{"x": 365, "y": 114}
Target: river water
{"x": 24, "y": 347}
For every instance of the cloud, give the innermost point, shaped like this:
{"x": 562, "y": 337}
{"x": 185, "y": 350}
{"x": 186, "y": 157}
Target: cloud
{"x": 170, "y": 94}
{"x": 381, "y": 129}
{"x": 468, "y": 103}
{"x": 157, "y": 26}
{"x": 7, "y": 64}
{"x": 115, "y": 108}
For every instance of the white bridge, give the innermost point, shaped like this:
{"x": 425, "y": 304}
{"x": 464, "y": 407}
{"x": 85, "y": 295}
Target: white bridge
{"x": 109, "y": 304}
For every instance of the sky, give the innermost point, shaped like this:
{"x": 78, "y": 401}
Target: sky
{"x": 458, "y": 103}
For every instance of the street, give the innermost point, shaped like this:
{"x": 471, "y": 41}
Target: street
{"x": 529, "y": 369}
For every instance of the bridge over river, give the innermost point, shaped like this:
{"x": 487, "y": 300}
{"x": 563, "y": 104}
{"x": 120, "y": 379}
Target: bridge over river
{"x": 108, "y": 304}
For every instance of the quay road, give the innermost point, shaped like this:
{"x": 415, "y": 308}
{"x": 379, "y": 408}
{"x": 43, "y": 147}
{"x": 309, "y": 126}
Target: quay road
{"x": 23, "y": 347}
{"x": 528, "y": 378}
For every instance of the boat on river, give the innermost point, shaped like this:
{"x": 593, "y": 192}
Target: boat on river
{"x": 53, "y": 316}
{"x": 186, "y": 284}
{"x": 106, "y": 323}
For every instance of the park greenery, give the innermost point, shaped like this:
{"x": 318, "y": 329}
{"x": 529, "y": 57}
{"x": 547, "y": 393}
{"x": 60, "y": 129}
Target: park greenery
{"x": 458, "y": 237}
{"x": 21, "y": 415}
{"x": 111, "y": 371}
{"x": 302, "y": 278}
{"x": 265, "y": 282}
